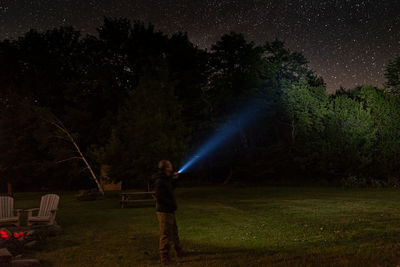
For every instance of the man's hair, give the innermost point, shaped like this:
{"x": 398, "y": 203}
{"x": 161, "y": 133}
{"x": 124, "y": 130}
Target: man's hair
{"x": 162, "y": 164}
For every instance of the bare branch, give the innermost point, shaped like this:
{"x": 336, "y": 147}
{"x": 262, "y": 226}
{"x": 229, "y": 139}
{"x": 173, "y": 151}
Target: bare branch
{"x": 59, "y": 125}
{"x": 71, "y": 158}
{"x": 83, "y": 169}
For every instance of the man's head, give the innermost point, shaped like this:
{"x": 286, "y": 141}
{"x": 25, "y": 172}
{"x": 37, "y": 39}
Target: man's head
{"x": 165, "y": 166}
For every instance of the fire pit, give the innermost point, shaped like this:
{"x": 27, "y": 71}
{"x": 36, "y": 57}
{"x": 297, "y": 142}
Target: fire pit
{"x": 15, "y": 240}
{"x": 6, "y": 235}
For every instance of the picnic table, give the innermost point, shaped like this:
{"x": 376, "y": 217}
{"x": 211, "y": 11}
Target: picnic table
{"x": 137, "y": 197}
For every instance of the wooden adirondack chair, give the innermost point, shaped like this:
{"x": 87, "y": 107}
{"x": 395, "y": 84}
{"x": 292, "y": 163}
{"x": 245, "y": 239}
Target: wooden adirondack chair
{"x": 9, "y": 215}
{"x": 46, "y": 212}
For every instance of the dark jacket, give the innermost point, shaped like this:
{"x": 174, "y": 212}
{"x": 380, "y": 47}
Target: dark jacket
{"x": 164, "y": 187}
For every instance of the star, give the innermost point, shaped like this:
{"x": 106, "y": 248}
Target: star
{"x": 347, "y": 32}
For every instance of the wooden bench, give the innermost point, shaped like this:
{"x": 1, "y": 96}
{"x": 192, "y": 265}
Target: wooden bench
{"x": 137, "y": 197}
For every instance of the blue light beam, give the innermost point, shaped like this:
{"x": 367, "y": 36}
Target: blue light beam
{"x": 242, "y": 118}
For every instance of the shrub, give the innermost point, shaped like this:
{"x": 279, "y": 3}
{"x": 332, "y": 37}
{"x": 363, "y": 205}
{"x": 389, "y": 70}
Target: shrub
{"x": 353, "y": 181}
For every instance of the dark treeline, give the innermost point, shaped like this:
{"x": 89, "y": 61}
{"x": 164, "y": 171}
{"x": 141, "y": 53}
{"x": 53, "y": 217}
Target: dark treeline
{"x": 132, "y": 95}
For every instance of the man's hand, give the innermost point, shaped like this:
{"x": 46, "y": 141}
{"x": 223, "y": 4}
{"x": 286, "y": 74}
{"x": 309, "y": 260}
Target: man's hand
{"x": 175, "y": 175}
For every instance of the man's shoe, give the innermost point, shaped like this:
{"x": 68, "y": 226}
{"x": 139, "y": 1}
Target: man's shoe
{"x": 181, "y": 253}
{"x": 166, "y": 260}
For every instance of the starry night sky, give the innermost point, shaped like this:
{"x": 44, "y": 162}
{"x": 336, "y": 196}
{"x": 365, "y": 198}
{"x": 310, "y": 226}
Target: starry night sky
{"x": 348, "y": 42}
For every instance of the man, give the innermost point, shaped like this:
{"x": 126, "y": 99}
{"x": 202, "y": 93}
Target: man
{"x": 165, "y": 183}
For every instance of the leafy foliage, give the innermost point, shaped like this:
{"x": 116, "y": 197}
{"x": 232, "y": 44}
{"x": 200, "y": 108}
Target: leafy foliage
{"x": 149, "y": 128}
{"x": 133, "y": 95}
{"x": 392, "y": 74}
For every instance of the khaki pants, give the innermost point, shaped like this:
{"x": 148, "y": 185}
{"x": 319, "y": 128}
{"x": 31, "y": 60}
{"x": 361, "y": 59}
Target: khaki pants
{"x": 168, "y": 232}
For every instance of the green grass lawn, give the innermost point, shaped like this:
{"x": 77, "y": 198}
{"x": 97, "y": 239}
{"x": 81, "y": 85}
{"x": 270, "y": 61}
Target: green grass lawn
{"x": 225, "y": 226}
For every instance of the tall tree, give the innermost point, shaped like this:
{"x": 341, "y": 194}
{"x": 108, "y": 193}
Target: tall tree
{"x": 351, "y": 136}
{"x": 385, "y": 112}
{"x": 392, "y": 75}
{"x": 235, "y": 65}
{"x": 21, "y": 159}
{"x": 149, "y": 127}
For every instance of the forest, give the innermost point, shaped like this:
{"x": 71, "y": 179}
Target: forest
{"x": 132, "y": 95}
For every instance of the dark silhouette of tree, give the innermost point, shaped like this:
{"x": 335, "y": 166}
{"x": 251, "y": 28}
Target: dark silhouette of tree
{"x": 131, "y": 95}
{"x": 149, "y": 128}
{"x": 392, "y": 75}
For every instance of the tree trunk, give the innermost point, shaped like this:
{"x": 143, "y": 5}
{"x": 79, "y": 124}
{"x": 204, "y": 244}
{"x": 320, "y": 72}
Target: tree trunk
{"x": 9, "y": 189}
{"x": 243, "y": 138}
{"x": 229, "y": 176}
{"x": 293, "y": 132}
